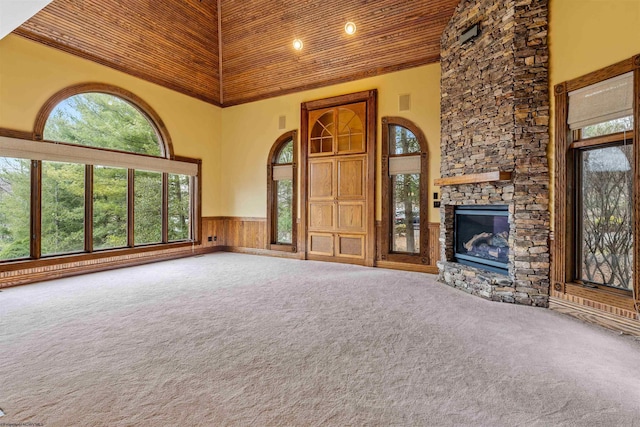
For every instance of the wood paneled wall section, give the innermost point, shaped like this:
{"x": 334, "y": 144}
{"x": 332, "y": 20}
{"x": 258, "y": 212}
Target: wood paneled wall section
{"x": 239, "y": 232}
{"x": 250, "y": 233}
{"x": 171, "y": 43}
{"x": 258, "y": 59}
{"x": 434, "y": 242}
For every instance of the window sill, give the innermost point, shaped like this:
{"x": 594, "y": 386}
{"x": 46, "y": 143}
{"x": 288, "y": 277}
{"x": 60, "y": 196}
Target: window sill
{"x": 617, "y": 298}
{"x": 406, "y": 258}
{"x": 282, "y": 248}
{"x": 21, "y": 264}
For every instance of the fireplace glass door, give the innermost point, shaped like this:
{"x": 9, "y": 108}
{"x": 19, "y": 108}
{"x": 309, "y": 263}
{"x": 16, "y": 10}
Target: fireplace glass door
{"x": 482, "y": 237}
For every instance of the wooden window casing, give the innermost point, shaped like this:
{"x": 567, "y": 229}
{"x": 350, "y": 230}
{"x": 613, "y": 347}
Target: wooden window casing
{"x": 388, "y": 214}
{"x": 272, "y": 210}
{"x": 568, "y": 144}
{"x": 35, "y": 259}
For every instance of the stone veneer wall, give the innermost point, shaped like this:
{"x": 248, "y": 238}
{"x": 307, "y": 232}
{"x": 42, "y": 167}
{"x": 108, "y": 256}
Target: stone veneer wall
{"x": 495, "y": 116}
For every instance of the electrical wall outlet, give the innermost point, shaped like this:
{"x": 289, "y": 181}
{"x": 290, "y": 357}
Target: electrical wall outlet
{"x": 210, "y": 239}
{"x": 215, "y": 238}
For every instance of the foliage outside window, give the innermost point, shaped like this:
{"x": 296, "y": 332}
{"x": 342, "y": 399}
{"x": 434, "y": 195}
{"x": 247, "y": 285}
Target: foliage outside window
{"x": 179, "y": 207}
{"x": 62, "y": 208}
{"x": 604, "y": 197}
{"x": 115, "y": 194}
{"x": 109, "y": 207}
{"x": 101, "y": 120}
{"x": 405, "y": 199}
{"x": 284, "y": 198}
{"x": 148, "y": 207}
{"x": 281, "y": 192}
{"x": 15, "y": 208}
{"x": 404, "y": 189}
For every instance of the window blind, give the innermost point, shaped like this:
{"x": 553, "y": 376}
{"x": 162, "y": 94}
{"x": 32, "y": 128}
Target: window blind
{"x": 282, "y": 172}
{"x": 601, "y": 102}
{"x": 404, "y": 165}
{"x": 39, "y": 150}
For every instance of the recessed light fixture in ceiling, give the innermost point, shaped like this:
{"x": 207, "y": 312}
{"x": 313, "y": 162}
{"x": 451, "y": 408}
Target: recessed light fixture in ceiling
{"x": 297, "y": 44}
{"x": 350, "y": 28}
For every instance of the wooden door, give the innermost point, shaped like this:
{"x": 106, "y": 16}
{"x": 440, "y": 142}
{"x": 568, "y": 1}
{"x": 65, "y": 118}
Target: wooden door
{"x": 337, "y": 206}
{"x": 339, "y": 195}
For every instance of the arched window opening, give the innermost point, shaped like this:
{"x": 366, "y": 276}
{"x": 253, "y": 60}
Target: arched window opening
{"x": 105, "y": 184}
{"x": 102, "y": 120}
{"x": 405, "y": 208}
{"x": 281, "y": 193}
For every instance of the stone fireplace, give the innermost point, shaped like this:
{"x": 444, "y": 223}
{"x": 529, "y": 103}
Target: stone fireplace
{"x": 495, "y": 132}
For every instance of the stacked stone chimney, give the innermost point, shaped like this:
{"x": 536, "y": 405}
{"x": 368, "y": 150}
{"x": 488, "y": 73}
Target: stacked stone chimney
{"x": 495, "y": 117}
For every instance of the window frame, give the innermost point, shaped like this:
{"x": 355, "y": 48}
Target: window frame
{"x": 568, "y": 145}
{"x": 36, "y": 259}
{"x": 272, "y": 217}
{"x": 388, "y": 214}
{"x": 135, "y": 101}
{"x": 578, "y": 150}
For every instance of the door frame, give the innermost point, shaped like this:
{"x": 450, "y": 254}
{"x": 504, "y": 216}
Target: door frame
{"x": 371, "y": 98}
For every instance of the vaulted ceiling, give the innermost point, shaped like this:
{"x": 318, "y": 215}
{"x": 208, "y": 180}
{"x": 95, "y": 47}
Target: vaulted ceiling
{"x": 229, "y": 52}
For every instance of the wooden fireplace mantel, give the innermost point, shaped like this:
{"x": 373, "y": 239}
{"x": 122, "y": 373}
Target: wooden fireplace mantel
{"x": 474, "y": 178}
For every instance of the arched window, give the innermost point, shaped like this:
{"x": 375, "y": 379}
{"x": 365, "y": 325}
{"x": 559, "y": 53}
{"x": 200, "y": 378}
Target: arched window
{"x": 281, "y": 193}
{"x": 102, "y": 179}
{"x": 103, "y": 120}
{"x": 404, "y": 192}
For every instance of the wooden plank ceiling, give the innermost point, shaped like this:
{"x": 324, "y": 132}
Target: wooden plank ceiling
{"x": 171, "y": 43}
{"x": 175, "y": 43}
{"x": 258, "y": 59}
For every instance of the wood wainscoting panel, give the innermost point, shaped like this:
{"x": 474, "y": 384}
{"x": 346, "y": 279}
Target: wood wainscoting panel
{"x": 213, "y": 227}
{"x": 434, "y": 243}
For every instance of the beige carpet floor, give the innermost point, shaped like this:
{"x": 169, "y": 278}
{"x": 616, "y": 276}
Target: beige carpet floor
{"x": 230, "y": 339}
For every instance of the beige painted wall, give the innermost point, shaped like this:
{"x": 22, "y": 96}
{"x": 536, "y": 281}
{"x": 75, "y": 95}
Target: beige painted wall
{"x": 586, "y": 35}
{"x": 31, "y": 73}
{"x": 234, "y": 142}
{"x": 249, "y": 130}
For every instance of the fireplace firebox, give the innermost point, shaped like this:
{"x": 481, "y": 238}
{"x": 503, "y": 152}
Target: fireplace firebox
{"x": 482, "y": 237}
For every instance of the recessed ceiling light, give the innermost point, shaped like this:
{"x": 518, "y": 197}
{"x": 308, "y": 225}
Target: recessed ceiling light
{"x": 350, "y": 28}
{"x": 297, "y": 44}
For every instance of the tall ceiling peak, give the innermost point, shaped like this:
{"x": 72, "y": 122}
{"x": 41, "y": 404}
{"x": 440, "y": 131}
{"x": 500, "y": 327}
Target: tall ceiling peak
{"x": 241, "y": 51}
